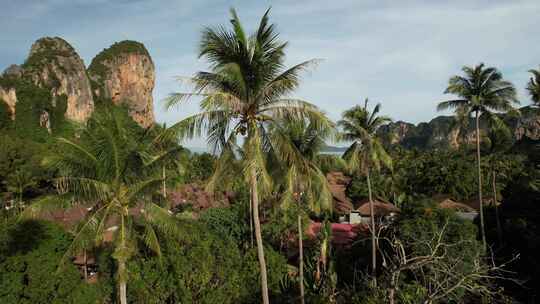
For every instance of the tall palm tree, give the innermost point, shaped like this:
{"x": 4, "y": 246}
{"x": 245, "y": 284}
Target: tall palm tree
{"x": 481, "y": 92}
{"x": 534, "y": 86}
{"x": 365, "y": 154}
{"x": 297, "y": 145}
{"x": 246, "y": 90}
{"x": 497, "y": 164}
{"x": 114, "y": 171}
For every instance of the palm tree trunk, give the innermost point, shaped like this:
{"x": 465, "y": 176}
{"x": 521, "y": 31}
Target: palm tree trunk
{"x": 393, "y": 286}
{"x": 258, "y": 237}
{"x": 301, "y": 258}
{"x": 164, "y": 184}
{"x": 373, "y": 235}
{"x": 497, "y": 218}
{"x": 122, "y": 284}
{"x": 250, "y": 218}
{"x": 85, "y": 269}
{"x": 122, "y": 270}
{"x": 482, "y": 230}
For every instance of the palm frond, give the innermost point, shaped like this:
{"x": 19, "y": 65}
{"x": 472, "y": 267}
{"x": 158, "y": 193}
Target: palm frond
{"x": 46, "y": 203}
{"x": 161, "y": 218}
{"x": 84, "y": 188}
{"x": 150, "y": 239}
{"x": 451, "y": 104}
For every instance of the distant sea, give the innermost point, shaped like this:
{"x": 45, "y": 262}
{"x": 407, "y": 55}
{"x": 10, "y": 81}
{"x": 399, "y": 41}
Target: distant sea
{"x": 337, "y": 153}
{"x": 198, "y": 150}
{"x": 201, "y": 150}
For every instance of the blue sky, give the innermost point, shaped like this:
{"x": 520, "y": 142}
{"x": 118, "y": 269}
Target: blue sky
{"x": 399, "y": 53}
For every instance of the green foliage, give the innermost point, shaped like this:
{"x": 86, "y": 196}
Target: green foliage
{"x": 59, "y": 125}
{"x": 199, "y": 167}
{"x": 197, "y": 265}
{"x": 32, "y": 102}
{"x": 357, "y": 190}
{"x": 521, "y": 227}
{"x": 30, "y": 252}
{"x": 8, "y": 82}
{"x": 436, "y": 172}
{"x": 328, "y": 163}
{"x": 112, "y": 165}
{"x": 20, "y": 157}
{"x": 228, "y": 222}
{"x": 422, "y": 174}
{"x": 421, "y": 228}
{"x": 294, "y": 166}
{"x": 277, "y": 275}
{"x": 533, "y": 86}
{"x": 49, "y": 52}
{"x": 360, "y": 126}
{"x": 419, "y": 223}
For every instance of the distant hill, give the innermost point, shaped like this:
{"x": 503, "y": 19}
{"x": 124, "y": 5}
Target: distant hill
{"x": 444, "y": 132}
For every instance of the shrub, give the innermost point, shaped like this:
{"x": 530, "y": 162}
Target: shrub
{"x": 30, "y": 253}
{"x": 197, "y": 266}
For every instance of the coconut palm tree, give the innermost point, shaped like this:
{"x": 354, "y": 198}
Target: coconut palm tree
{"x": 480, "y": 92}
{"x": 246, "y": 90}
{"x": 297, "y": 145}
{"x": 534, "y": 86}
{"x": 497, "y": 164}
{"x": 365, "y": 154}
{"x": 114, "y": 171}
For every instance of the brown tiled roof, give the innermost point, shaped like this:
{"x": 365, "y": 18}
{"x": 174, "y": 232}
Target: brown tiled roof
{"x": 199, "y": 199}
{"x": 450, "y": 204}
{"x": 68, "y": 218}
{"x": 79, "y": 260}
{"x": 343, "y": 234}
{"x": 487, "y": 201}
{"x": 380, "y": 208}
{"x": 338, "y": 182}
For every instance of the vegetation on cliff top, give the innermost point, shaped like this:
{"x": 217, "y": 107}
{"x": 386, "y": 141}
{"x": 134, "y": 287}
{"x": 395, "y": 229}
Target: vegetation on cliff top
{"x": 45, "y": 52}
{"x": 100, "y": 65}
{"x": 32, "y": 103}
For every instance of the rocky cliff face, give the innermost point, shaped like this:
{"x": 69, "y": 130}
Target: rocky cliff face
{"x": 528, "y": 124}
{"x": 54, "y": 83}
{"x": 54, "y": 64}
{"x": 124, "y": 74}
{"x": 444, "y": 131}
{"x": 9, "y": 96}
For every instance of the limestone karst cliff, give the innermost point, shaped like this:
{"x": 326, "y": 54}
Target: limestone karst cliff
{"x": 54, "y": 64}
{"x": 124, "y": 74}
{"x": 444, "y": 131}
{"x": 53, "y": 84}
{"x": 9, "y": 97}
